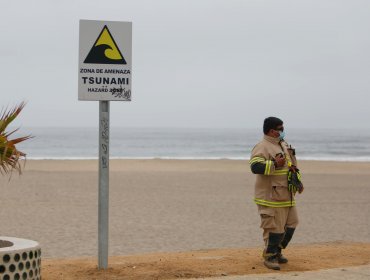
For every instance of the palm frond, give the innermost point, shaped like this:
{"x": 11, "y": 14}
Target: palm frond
{"x": 7, "y": 116}
{"x": 9, "y": 154}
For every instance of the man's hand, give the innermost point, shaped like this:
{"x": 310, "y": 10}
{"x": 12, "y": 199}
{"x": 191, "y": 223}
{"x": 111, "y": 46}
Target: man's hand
{"x": 280, "y": 160}
{"x": 301, "y": 190}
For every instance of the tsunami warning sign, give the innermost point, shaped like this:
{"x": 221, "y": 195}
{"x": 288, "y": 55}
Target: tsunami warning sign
{"x": 105, "y": 60}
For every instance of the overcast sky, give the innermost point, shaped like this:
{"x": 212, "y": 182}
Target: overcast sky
{"x": 202, "y": 63}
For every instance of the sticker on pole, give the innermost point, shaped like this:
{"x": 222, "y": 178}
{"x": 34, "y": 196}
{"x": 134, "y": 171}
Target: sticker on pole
{"x": 105, "y": 61}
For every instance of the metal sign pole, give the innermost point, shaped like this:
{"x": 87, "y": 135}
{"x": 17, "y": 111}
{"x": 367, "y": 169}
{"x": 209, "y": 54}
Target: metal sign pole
{"x": 103, "y": 216}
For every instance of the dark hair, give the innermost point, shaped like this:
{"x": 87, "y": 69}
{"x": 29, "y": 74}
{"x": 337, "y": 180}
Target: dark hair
{"x": 271, "y": 123}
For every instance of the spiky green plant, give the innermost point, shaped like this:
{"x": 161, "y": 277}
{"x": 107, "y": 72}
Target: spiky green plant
{"x": 9, "y": 154}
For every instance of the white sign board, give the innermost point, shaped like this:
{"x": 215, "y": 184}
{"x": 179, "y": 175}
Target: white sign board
{"x": 105, "y": 56}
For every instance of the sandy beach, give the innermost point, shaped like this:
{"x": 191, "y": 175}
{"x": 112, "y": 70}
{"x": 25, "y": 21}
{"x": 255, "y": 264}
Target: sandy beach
{"x": 174, "y": 205}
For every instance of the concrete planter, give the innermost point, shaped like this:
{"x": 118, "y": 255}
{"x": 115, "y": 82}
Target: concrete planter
{"x": 20, "y": 259}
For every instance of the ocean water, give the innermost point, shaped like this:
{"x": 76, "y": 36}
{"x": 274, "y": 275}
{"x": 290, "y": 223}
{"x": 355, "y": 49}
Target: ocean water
{"x": 191, "y": 143}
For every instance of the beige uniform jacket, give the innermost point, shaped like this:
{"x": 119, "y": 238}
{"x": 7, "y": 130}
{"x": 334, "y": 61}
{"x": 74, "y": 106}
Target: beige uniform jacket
{"x": 271, "y": 188}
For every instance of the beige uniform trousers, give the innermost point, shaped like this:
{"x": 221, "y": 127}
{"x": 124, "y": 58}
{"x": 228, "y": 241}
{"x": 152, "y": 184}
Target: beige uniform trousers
{"x": 277, "y": 219}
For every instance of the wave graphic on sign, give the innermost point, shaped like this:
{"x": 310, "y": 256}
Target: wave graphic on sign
{"x": 105, "y": 50}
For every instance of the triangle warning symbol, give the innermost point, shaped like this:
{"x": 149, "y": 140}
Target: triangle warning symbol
{"x": 105, "y": 50}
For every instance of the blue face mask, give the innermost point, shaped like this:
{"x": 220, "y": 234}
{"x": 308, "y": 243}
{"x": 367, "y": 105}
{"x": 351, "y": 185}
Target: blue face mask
{"x": 281, "y": 135}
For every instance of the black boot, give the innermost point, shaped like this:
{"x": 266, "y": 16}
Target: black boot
{"x": 272, "y": 250}
{"x": 284, "y": 243}
{"x": 280, "y": 257}
{"x": 287, "y": 237}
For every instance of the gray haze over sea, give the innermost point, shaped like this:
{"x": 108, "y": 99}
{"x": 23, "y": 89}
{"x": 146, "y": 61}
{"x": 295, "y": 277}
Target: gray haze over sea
{"x": 191, "y": 143}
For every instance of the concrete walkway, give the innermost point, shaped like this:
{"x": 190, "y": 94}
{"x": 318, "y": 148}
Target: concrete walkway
{"x": 348, "y": 273}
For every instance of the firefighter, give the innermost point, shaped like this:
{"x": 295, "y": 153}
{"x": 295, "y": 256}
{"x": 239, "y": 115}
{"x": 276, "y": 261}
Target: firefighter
{"x": 273, "y": 160}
